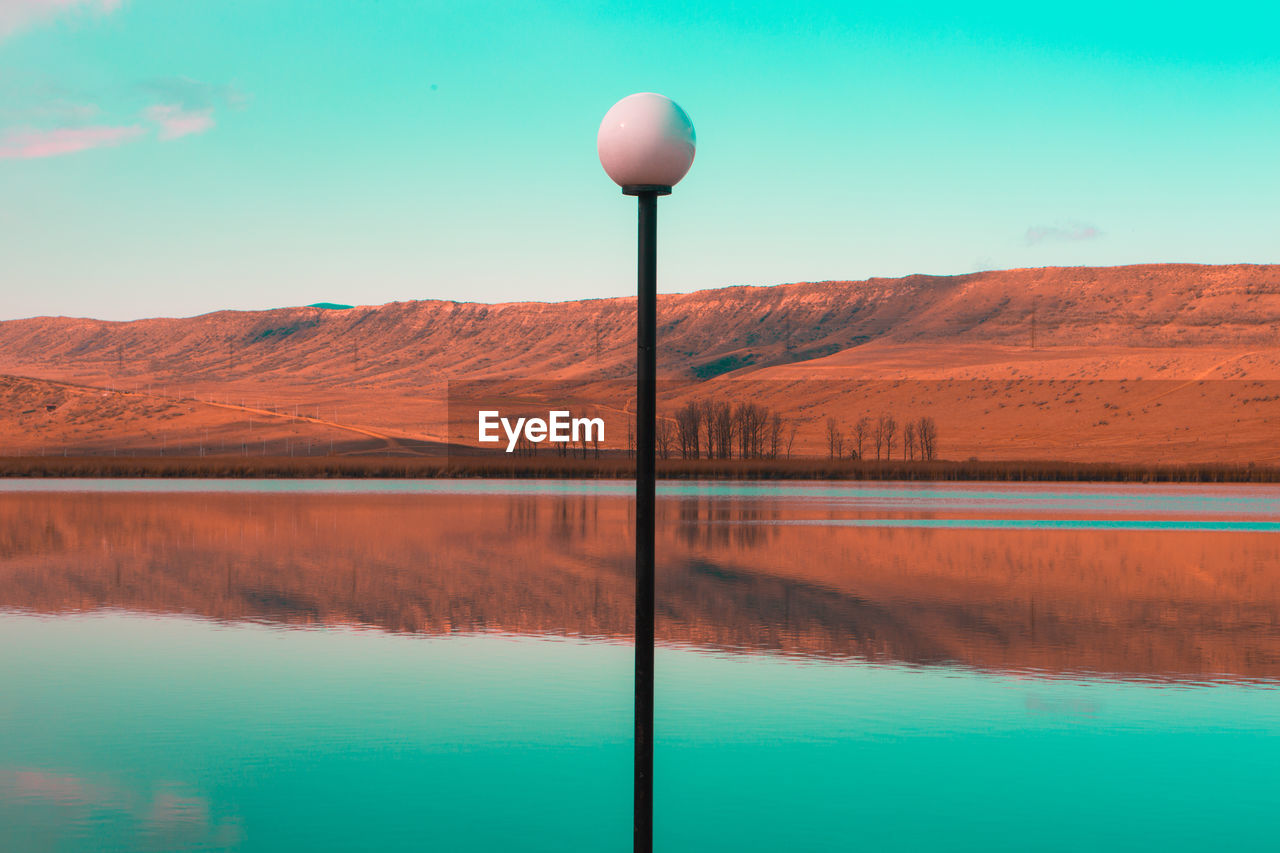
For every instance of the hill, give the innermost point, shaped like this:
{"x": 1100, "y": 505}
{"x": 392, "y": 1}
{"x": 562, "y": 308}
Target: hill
{"x": 1140, "y": 363}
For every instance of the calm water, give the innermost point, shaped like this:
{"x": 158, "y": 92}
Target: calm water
{"x": 303, "y": 665}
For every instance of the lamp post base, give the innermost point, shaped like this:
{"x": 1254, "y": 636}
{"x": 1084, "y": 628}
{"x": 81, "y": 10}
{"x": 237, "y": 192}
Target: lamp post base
{"x": 646, "y": 189}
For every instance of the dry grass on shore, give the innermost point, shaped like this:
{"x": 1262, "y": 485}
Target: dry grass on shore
{"x": 356, "y": 467}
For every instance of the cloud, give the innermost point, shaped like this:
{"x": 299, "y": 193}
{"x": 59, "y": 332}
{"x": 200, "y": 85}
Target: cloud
{"x": 57, "y": 110}
{"x": 16, "y": 15}
{"x": 187, "y": 106}
{"x": 193, "y": 94}
{"x": 54, "y": 122}
{"x": 30, "y": 144}
{"x": 1075, "y": 232}
{"x": 176, "y": 122}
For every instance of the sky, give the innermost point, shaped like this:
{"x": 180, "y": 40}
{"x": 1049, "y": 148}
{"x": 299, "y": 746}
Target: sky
{"x": 174, "y": 157}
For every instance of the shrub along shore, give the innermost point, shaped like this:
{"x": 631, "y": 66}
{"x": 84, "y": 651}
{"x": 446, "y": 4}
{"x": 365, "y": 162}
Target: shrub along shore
{"x": 549, "y": 467}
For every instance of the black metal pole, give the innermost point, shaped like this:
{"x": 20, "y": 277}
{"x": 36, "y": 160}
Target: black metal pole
{"x": 646, "y": 416}
{"x": 646, "y": 412}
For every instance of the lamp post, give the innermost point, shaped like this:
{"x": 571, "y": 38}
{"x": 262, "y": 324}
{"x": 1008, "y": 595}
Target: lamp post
{"x": 646, "y": 145}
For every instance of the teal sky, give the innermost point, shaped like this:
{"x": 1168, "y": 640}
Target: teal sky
{"x": 160, "y": 157}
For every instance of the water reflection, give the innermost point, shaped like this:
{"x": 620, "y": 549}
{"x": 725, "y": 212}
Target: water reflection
{"x": 166, "y": 816}
{"x": 882, "y": 575}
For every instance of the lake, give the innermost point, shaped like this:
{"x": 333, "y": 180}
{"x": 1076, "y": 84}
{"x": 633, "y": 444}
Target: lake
{"x": 419, "y": 665}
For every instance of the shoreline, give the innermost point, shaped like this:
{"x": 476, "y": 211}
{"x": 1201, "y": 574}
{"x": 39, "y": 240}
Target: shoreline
{"x": 437, "y": 467}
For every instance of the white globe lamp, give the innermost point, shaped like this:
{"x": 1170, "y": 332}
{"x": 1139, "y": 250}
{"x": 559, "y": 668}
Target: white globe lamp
{"x": 646, "y": 142}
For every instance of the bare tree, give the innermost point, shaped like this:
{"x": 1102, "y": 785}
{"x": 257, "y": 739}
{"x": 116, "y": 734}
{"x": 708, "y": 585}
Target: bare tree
{"x": 689, "y": 429}
{"x": 927, "y": 436}
{"x": 719, "y": 429}
{"x": 708, "y": 427}
{"x": 909, "y": 441}
{"x": 775, "y": 434}
{"x": 751, "y": 423}
{"x": 861, "y": 429}
{"x": 759, "y": 422}
{"x": 890, "y": 429}
{"x": 722, "y": 428}
{"x": 664, "y": 436}
{"x": 835, "y": 439}
{"x": 742, "y": 422}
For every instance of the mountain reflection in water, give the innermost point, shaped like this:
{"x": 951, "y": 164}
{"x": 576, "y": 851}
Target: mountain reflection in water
{"x": 744, "y": 574}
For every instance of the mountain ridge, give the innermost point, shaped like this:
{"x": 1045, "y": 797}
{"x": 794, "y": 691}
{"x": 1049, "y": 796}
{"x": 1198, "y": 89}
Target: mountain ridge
{"x": 384, "y": 370}
{"x": 1199, "y": 305}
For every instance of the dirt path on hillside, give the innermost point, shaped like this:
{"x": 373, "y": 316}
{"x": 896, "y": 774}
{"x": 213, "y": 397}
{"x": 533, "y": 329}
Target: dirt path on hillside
{"x": 1203, "y": 375}
{"x": 392, "y": 442}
